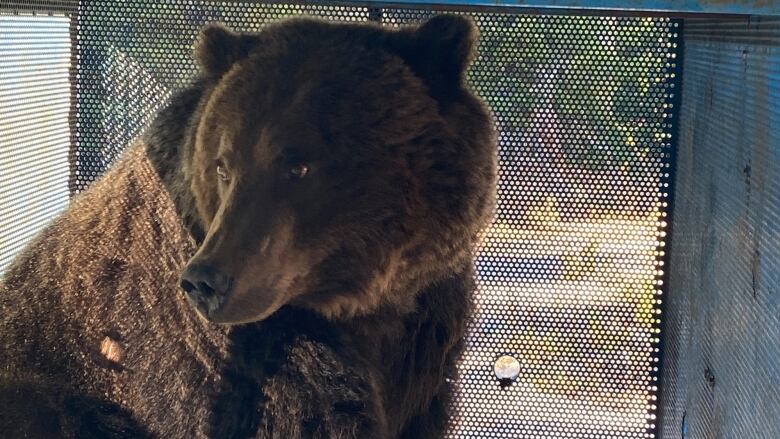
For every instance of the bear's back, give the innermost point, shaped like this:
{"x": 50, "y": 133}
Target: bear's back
{"x": 92, "y": 302}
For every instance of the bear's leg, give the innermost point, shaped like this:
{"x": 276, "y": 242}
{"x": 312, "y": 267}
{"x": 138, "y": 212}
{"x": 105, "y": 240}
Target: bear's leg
{"x": 34, "y": 407}
{"x": 318, "y": 394}
{"x": 314, "y": 393}
{"x": 432, "y": 424}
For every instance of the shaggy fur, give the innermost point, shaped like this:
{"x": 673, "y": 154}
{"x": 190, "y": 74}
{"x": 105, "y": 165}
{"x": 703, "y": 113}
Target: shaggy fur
{"x": 353, "y": 284}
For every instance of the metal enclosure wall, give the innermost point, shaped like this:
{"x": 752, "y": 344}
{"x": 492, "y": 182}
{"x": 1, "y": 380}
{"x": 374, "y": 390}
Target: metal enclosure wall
{"x": 570, "y": 273}
{"x": 722, "y": 361}
{"x": 721, "y": 370}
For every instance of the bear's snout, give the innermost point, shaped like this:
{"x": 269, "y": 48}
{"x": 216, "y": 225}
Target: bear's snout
{"x": 205, "y": 287}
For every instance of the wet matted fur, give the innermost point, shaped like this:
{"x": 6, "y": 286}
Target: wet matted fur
{"x": 352, "y": 286}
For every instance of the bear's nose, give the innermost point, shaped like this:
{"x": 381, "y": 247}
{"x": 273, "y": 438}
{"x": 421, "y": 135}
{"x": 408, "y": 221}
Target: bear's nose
{"x": 205, "y": 287}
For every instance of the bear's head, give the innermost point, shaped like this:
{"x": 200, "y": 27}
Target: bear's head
{"x": 336, "y": 167}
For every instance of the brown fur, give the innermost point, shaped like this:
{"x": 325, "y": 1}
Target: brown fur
{"x": 354, "y": 283}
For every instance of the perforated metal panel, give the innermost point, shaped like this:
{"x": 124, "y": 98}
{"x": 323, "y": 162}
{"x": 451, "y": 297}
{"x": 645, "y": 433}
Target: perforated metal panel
{"x": 132, "y": 54}
{"x": 569, "y": 275}
{"x": 570, "y": 272}
{"x": 35, "y": 125}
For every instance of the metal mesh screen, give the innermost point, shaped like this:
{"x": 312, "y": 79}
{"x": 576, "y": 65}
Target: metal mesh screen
{"x": 35, "y": 125}
{"x": 569, "y": 274}
{"x": 132, "y": 54}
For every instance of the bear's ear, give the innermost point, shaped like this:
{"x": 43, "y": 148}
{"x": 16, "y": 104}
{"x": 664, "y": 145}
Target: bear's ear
{"x": 441, "y": 49}
{"x": 218, "y": 47}
{"x": 448, "y": 42}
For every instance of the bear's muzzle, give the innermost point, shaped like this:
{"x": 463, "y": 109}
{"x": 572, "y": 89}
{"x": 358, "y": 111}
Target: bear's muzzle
{"x": 205, "y": 288}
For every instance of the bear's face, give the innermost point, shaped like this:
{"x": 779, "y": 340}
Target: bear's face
{"x": 325, "y": 171}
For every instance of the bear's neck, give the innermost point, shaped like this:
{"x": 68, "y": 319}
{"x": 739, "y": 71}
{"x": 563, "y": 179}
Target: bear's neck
{"x": 410, "y": 359}
{"x": 417, "y": 352}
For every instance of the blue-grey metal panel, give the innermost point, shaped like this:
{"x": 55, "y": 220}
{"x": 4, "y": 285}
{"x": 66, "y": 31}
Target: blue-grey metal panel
{"x": 740, "y": 7}
{"x": 722, "y": 362}
{"x": 748, "y": 7}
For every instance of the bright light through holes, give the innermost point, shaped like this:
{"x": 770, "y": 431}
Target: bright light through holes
{"x": 569, "y": 274}
{"x": 35, "y": 102}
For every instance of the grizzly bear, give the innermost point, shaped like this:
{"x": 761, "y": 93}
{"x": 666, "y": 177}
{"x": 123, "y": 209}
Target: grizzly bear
{"x": 286, "y": 253}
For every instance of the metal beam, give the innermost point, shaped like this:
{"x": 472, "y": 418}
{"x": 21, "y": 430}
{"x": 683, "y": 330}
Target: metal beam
{"x": 669, "y": 7}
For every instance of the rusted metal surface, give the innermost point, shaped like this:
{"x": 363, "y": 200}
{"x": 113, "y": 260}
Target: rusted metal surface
{"x": 722, "y": 363}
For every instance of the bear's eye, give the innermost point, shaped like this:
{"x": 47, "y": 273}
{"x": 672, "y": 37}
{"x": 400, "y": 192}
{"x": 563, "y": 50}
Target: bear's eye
{"x": 222, "y": 172}
{"x": 299, "y": 170}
